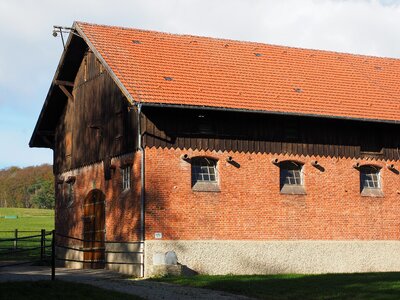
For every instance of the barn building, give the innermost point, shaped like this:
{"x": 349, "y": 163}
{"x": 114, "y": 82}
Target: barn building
{"x": 239, "y": 157}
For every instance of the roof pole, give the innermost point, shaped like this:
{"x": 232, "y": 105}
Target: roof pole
{"x": 142, "y": 183}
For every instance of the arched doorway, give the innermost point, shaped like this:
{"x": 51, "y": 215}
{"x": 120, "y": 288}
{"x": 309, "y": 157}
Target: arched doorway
{"x": 94, "y": 230}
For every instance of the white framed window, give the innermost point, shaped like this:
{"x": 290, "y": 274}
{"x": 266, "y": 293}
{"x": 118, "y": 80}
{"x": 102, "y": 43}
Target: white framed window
{"x": 291, "y": 177}
{"x": 204, "y": 174}
{"x": 370, "y": 181}
{"x": 126, "y": 177}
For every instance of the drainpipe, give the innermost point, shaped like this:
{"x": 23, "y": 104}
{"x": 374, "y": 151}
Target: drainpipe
{"x": 142, "y": 184}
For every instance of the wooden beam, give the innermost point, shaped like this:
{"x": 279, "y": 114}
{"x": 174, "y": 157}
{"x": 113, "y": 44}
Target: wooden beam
{"x": 65, "y": 83}
{"x": 66, "y": 92}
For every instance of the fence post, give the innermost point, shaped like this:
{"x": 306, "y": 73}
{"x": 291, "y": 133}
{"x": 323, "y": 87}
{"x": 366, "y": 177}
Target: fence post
{"x": 53, "y": 255}
{"x": 42, "y": 244}
{"x": 16, "y": 239}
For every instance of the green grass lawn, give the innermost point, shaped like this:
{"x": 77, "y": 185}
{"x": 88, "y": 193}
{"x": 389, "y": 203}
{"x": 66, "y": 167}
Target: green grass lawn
{"x": 324, "y": 286}
{"x": 29, "y": 219}
{"x": 57, "y": 290}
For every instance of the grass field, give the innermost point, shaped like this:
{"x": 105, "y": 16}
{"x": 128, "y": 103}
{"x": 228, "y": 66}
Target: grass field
{"x": 57, "y": 290}
{"x": 324, "y": 286}
{"x": 28, "y": 220}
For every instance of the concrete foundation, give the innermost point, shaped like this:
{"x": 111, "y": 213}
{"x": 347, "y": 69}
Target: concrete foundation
{"x": 133, "y": 259}
{"x": 164, "y": 270}
{"x": 127, "y": 263}
{"x": 271, "y": 257}
{"x": 69, "y": 254}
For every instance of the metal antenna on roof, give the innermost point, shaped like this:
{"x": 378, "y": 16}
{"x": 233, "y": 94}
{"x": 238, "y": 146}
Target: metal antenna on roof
{"x": 61, "y": 30}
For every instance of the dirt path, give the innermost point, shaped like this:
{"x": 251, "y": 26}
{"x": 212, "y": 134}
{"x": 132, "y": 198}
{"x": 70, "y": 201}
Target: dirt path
{"x": 114, "y": 281}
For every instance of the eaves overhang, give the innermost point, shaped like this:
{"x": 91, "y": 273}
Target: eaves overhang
{"x": 266, "y": 112}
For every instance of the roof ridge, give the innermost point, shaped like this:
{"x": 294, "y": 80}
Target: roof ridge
{"x": 240, "y": 41}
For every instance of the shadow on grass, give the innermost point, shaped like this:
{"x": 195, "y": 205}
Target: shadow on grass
{"x": 325, "y": 286}
{"x": 57, "y": 290}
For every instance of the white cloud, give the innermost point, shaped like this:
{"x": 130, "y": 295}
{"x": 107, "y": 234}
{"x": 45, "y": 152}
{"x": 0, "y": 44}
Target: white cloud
{"x": 29, "y": 54}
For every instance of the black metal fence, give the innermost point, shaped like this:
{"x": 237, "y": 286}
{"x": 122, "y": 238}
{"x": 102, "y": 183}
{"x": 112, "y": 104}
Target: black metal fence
{"x": 44, "y": 246}
{"x": 19, "y": 247}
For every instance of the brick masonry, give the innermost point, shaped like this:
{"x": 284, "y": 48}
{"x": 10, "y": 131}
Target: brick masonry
{"x": 251, "y": 207}
{"x": 248, "y": 207}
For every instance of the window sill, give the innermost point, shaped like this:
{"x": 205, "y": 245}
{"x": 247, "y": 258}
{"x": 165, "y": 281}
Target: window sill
{"x": 206, "y": 187}
{"x": 293, "y": 190}
{"x": 124, "y": 191}
{"x": 372, "y": 193}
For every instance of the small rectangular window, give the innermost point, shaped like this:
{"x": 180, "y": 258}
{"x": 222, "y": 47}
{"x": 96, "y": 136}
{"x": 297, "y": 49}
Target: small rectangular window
{"x": 204, "y": 174}
{"x": 126, "y": 178}
{"x": 70, "y": 193}
{"x": 370, "y": 181}
{"x": 291, "y": 178}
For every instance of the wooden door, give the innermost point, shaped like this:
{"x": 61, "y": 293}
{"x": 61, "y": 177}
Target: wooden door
{"x": 93, "y": 230}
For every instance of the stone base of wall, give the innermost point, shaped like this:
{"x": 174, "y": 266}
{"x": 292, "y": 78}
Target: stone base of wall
{"x": 272, "y": 257}
{"x": 133, "y": 260}
{"x": 69, "y": 254}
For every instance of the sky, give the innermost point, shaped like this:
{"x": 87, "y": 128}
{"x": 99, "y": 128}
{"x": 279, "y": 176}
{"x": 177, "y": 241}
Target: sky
{"x": 29, "y": 54}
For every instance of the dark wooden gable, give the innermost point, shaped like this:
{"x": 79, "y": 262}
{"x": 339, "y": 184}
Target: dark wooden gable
{"x": 56, "y": 99}
{"x": 97, "y": 123}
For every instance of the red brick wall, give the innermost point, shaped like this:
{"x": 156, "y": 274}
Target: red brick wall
{"x": 250, "y": 206}
{"x": 122, "y": 208}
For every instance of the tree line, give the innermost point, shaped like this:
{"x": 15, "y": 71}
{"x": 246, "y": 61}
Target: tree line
{"x": 27, "y": 187}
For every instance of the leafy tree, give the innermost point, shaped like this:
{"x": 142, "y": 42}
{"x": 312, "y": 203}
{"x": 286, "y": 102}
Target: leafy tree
{"x": 43, "y": 194}
{"x": 19, "y": 186}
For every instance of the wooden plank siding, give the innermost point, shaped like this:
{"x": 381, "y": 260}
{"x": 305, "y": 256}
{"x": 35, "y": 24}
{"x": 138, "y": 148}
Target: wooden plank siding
{"x": 268, "y": 133}
{"x": 98, "y": 120}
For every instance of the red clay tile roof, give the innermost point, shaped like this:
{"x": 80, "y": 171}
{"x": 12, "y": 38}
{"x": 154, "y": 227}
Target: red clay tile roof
{"x": 166, "y": 68}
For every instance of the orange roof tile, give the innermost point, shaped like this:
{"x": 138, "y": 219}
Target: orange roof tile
{"x": 246, "y": 75}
